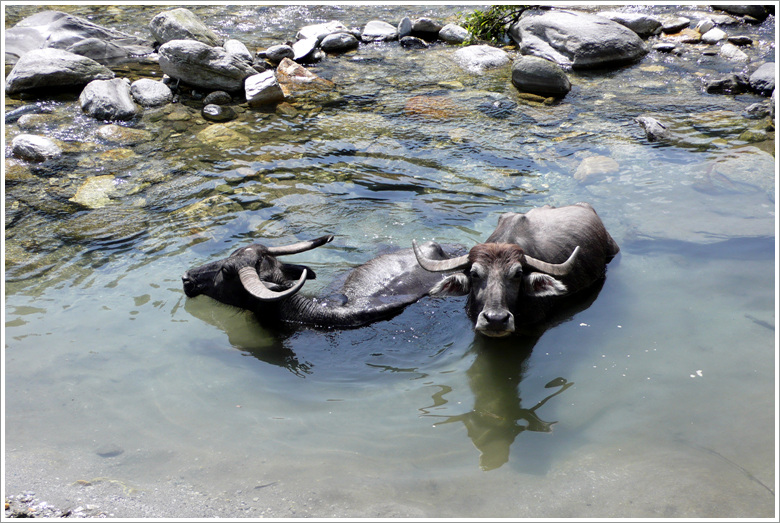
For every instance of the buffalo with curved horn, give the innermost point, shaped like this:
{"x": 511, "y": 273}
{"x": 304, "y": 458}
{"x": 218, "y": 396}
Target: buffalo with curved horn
{"x": 527, "y": 266}
{"x": 254, "y": 279}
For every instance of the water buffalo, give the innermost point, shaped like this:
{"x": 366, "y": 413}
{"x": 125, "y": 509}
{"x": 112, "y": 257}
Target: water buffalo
{"x": 530, "y": 263}
{"x": 254, "y": 279}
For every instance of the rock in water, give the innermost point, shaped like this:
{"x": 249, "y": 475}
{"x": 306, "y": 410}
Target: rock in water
{"x": 181, "y": 24}
{"x": 200, "y": 65}
{"x": 379, "y": 31}
{"x": 54, "y": 68}
{"x": 34, "y": 148}
{"x": 531, "y": 74}
{"x": 476, "y": 58}
{"x": 108, "y": 100}
{"x": 58, "y": 30}
{"x": 263, "y": 89}
{"x": 574, "y": 39}
{"x": 763, "y": 79}
{"x": 150, "y": 93}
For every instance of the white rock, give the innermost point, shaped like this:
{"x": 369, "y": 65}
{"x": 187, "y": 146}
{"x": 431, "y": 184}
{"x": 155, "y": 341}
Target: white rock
{"x": 262, "y": 89}
{"x": 713, "y": 36}
{"x": 34, "y": 148}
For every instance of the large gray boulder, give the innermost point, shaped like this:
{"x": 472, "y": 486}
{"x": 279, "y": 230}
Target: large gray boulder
{"x": 641, "y": 23}
{"x": 108, "y": 100}
{"x": 579, "y": 40}
{"x": 477, "y": 58}
{"x": 54, "y": 68}
{"x": 34, "y": 148}
{"x": 58, "y": 30}
{"x": 379, "y": 31}
{"x": 237, "y": 47}
{"x": 763, "y": 79}
{"x": 181, "y": 24}
{"x": 201, "y": 65}
{"x": 531, "y": 74}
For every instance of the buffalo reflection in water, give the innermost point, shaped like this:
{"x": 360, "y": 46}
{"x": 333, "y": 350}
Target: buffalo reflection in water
{"x": 494, "y": 377}
{"x": 498, "y": 417}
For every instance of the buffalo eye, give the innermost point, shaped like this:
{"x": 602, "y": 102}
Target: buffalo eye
{"x": 476, "y": 272}
{"x": 515, "y": 272}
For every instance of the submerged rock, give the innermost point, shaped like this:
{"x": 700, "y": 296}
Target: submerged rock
{"x": 593, "y": 168}
{"x": 222, "y": 136}
{"x": 54, "y": 68}
{"x": 124, "y": 135}
{"x": 295, "y": 79}
{"x": 94, "y": 192}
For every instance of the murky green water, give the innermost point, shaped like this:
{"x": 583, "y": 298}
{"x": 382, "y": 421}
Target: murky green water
{"x": 657, "y": 400}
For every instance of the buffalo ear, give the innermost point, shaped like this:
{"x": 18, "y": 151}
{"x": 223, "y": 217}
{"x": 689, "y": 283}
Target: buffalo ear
{"x": 539, "y": 284}
{"x": 293, "y": 272}
{"x": 453, "y": 285}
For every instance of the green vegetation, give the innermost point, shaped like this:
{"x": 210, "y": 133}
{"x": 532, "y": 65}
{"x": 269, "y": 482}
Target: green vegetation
{"x": 491, "y": 24}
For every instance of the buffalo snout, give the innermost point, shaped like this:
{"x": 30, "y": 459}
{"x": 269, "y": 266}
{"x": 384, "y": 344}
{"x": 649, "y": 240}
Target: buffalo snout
{"x": 495, "y": 323}
{"x": 190, "y": 287}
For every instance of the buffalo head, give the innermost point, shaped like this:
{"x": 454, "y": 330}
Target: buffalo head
{"x": 497, "y": 277}
{"x": 251, "y": 274}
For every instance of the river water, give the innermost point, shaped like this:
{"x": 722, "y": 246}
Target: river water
{"x": 656, "y": 400}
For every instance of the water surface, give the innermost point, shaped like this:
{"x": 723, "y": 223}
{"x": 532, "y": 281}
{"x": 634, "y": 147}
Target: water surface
{"x": 654, "y": 400}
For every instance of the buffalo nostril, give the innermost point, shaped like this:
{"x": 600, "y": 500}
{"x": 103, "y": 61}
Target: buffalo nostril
{"x": 497, "y": 317}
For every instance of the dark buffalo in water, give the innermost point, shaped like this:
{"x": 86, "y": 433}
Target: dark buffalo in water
{"x": 527, "y": 267}
{"x": 254, "y": 279}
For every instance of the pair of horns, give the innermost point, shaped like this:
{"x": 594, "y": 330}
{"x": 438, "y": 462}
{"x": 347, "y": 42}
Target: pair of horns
{"x": 260, "y": 290}
{"x": 461, "y": 262}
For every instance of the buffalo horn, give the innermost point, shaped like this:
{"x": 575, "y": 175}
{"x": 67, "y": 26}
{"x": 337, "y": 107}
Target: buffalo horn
{"x": 295, "y": 248}
{"x": 251, "y": 282}
{"x": 461, "y": 262}
{"x": 553, "y": 269}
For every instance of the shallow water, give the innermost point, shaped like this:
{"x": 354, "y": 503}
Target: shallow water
{"x": 656, "y": 400}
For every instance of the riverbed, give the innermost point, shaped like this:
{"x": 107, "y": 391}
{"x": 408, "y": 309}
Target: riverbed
{"x": 126, "y": 399}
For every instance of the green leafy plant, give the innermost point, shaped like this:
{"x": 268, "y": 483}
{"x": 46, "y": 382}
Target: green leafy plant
{"x": 490, "y": 25}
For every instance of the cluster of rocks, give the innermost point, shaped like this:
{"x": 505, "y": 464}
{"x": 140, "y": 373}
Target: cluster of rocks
{"x": 577, "y": 40}
{"x": 550, "y": 42}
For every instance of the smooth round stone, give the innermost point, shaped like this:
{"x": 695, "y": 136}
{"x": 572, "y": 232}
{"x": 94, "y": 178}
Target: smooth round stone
{"x": 217, "y": 113}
